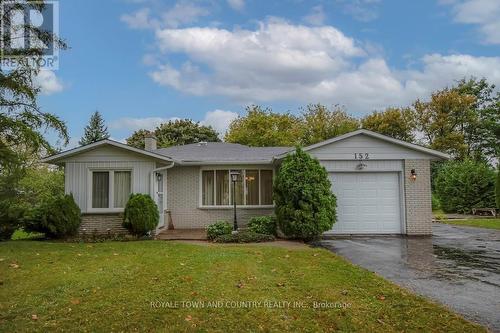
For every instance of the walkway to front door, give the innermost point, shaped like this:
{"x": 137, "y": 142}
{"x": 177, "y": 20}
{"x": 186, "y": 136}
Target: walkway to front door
{"x": 188, "y": 234}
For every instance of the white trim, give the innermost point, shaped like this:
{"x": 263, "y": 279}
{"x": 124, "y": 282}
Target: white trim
{"x": 202, "y": 163}
{"x": 377, "y": 136}
{"x": 111, "y": 189}
{"x": 78, "y": 150}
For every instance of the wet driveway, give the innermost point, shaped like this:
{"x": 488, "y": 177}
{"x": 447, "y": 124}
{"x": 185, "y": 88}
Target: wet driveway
{"x": 457, "y": 266}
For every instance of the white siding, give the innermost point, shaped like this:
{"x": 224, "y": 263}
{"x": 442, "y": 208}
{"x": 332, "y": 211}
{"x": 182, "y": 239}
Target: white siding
{"x": 77, "y": 171}
{"x": 371, "y": 166}
{"x": 377, "y": 150}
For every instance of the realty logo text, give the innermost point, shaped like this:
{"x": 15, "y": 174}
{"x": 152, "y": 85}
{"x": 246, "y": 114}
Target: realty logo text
{"x": 26, "y": 34}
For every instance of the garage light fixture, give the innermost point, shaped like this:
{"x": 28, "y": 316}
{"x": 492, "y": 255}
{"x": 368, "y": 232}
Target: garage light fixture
{"x": 413, "y": 174}
{"x": 361, "y": 166}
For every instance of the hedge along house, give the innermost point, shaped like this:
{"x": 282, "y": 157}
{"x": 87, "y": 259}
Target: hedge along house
{"x": 382, "y": 184}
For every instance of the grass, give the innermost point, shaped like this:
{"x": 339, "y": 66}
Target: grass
{"x": 478, "y": 223}
{"x": 52, "y": 286}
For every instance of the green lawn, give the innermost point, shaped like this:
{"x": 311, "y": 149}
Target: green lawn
{"x": 479, "y": 223}
{"x": 110, "y": 287}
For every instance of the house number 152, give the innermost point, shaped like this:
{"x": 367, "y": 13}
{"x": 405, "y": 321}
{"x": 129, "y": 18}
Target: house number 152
{"x": 361, "y": 156}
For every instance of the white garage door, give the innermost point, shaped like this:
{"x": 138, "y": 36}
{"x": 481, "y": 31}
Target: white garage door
{"x": 367, "y": 203}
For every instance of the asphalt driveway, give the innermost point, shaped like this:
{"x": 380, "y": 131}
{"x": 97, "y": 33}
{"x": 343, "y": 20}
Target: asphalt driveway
{"x": 457, "y": 266}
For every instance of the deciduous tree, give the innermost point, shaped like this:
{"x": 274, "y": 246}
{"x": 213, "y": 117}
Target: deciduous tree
{"x": 321, "y": 123}
{"x": 176, "y": 132}
{"x": 444, "y": 119}
{"x": 398, "y": 123}
{"x": 263, "y": 127}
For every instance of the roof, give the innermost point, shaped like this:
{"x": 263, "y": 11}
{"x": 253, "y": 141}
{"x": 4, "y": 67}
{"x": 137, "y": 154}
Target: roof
{"x": 415, "y": 147}
{"x": 221, "y": 152}
{"x": 71, "y": 152}
{"x": 231, "y": 153}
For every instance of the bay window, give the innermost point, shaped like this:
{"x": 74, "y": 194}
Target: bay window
{"x": 253, "y": 189}
{"x": 110, "y": 189}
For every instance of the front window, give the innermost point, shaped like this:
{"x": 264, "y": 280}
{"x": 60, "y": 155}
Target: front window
{"x": 110, "y": 189}
{"x": 253, "y": 189}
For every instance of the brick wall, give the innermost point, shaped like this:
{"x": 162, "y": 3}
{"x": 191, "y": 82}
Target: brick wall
{"x": 418, "y": 198}
{"x": 102, "y": 224}
{"x": 183, "y": 190}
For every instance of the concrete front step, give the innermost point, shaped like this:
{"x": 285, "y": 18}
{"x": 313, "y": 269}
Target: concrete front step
{"x": 185, "y": 234}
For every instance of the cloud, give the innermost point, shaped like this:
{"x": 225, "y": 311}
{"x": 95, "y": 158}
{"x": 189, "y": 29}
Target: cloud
{"x": 134, "y": 124}
{"x": 219, "y": 120}
{"x": 316, "y": 16}
{"x": 279, "y": 61}
{"x": 483, "y": 13}
{"x": 361, "y": 10}
{"x": 236, "y": 4}
{"x": 140, "y": 19}
{"x": 243, "y": 63}
{"x": 182, "y": 13}
{"x": 48, "y": 82}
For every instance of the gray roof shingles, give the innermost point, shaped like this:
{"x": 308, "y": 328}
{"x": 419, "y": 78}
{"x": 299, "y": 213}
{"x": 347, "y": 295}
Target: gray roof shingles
{"x": 221, "y": 152}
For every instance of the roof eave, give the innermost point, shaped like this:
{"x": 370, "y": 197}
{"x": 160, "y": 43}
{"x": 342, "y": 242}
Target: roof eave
{"x": 408, "y": 145}
{"x": 57, "y": 158}
{"x": 254, "y": 162}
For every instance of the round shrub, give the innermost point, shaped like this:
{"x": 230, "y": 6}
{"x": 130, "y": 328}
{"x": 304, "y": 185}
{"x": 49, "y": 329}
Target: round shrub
{"x": 217, "y": 229}
{"x": 57, "y": 217}
{"x": 244, "y": 237}
{"x": 305, "y": 204}
{"x": 141, "y": 214}
{"x": 463, "y": 185}
{"x": 263, "y": 225}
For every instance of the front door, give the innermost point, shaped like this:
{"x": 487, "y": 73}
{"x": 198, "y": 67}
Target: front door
{"x": 160, "y": 197}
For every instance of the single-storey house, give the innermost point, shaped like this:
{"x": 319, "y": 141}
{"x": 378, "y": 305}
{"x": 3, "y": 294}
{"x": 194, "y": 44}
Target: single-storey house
{"x": 382, "y": 184}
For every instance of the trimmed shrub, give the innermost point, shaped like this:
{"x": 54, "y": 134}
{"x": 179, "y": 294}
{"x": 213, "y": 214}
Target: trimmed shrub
{"x": 463, "y": 185}
{"x": 218, "y": 228}
{"x": 435, "y": 202}
{"x": 305, "y": 204}
{"x": 263, "y": 225}
{"x": 10, "y": 216}
{"x": 244, "y": 237}
{"x": 141, "y": 214}
{"x": 58, "y": 217}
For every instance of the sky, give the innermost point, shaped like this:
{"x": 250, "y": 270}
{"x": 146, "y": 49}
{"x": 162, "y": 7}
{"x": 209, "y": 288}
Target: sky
{"x": 143, "y": 62}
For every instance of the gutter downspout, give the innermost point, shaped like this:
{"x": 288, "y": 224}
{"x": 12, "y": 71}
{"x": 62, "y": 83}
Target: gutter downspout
{"x": 152, "y": 180}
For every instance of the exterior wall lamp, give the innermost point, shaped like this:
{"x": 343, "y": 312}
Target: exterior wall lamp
{"x": 235, "y": 175}
{"x": 413, "y": 174}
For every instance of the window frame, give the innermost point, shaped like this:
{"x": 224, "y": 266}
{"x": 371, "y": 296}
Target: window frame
{"x": 111, "y": 191}
{"x": 242, "y": 176}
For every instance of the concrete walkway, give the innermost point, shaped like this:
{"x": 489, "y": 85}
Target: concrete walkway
{"x": 458, "y": 267}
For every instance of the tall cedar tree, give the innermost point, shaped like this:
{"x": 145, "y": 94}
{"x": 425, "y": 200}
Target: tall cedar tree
{"x": 96, "y": 130}
{"x": 305, "y": 204}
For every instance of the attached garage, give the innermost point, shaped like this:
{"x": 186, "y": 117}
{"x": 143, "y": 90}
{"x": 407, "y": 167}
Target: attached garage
{"x": 382, "y": 184}
{"x": 368, "y": 203}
